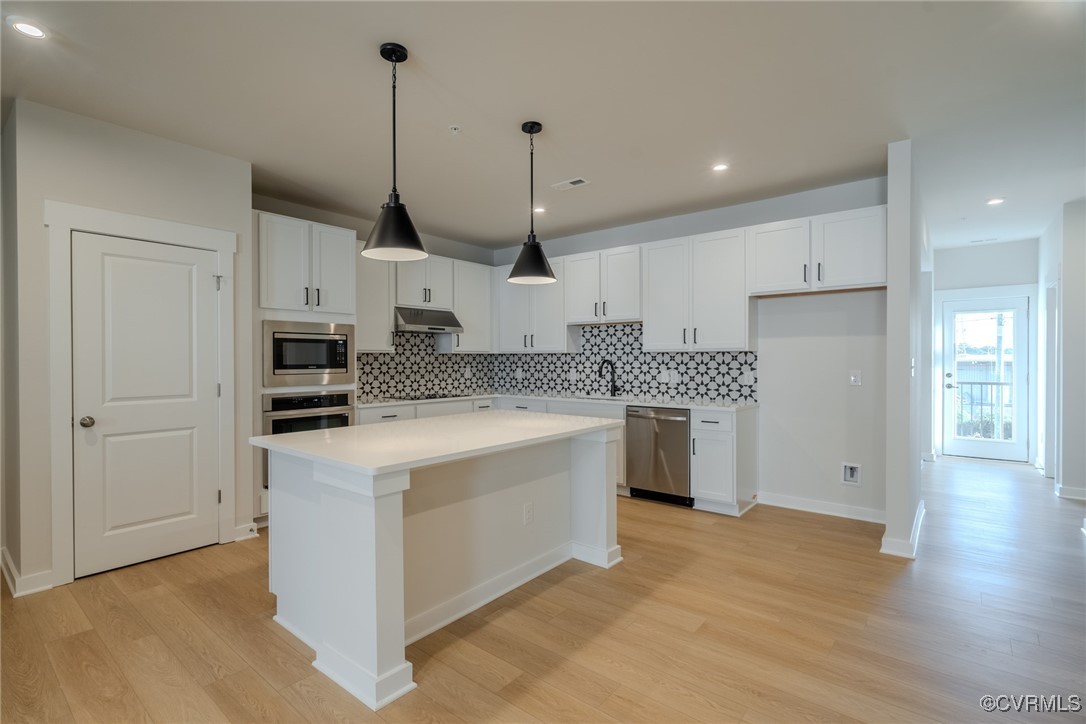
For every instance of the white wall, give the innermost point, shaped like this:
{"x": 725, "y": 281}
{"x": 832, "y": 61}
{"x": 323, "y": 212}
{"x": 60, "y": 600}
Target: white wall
{"x": 904, "y": 246}
{"x": 854, "y": 195}
{"x": 65, "y": 157}
{"x": 1071, "y": 364}
{"x": 433, "y": 244}
{"x": 9, "y": 380}
{"x": 810, "y": 419}
{"x": 1049, "y": 256}
{"x": 986, "y": 265}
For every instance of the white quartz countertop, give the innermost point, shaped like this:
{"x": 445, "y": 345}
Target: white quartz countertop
{"x": 695, "y": 404}
{"x": 407, "y": 444}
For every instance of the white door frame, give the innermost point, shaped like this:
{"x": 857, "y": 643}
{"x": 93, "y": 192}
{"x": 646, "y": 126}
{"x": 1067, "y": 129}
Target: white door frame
{"x": 952, "y": 295}
{"x": 62, "y": 219}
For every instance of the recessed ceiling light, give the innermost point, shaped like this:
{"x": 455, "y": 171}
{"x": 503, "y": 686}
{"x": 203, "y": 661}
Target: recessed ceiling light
{"x": 995, "y": 202}
{"x": 539, "y": 209}
{"x": 720, "y": 167}
{"x": 27, "y": 27}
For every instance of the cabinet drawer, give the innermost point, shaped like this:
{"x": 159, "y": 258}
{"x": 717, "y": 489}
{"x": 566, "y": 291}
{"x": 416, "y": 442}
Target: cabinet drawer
{"x": 521, "y": 403}
{"x": 483, "y": 405}
{"x": 371, "y": 415}
{"x": 721, "y": 421}
{"x": 438, "y": 409}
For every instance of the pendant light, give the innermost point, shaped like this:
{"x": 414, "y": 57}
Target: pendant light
{"x": 532, "y": 266}
{"x": 393, "y": 237}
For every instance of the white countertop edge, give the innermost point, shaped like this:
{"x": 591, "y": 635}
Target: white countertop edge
{"x": 603, "y": 401}
{"x": 282, "y": 444}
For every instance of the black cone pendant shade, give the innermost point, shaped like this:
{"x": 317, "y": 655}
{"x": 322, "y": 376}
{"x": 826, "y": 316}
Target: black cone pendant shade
{"x": 393, "y": 237}
{"x": 532, "y": 266}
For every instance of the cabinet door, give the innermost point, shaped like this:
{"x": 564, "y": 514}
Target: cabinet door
{"x": 665, "y": 295}
{"x": 373, "y": 324}
{"x": 513, "y": 313}
{"x": 779, "y": 257}
{"x": 582, "y": 287}
{"x": 712, "y": 467}
{"x": 471, "y": 284}
{"x": 411, "y": 283}
{"x": 548, "y": 328}
{"x": 718, "y": 306}
{"x": 334, "y": 250}
{"x": 284, "y": 263}
{"x": 848, "y": 249}
{"x": 621, "y": 284}
{"x": 440, "y": 282}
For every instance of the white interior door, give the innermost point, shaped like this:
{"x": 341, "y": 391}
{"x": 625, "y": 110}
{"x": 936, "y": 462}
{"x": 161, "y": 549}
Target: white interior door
{"x": 985, "y": 374}
{"x": 145, "y": 408}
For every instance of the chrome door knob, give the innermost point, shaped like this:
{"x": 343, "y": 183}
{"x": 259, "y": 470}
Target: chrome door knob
{"x": 86, "y": 421}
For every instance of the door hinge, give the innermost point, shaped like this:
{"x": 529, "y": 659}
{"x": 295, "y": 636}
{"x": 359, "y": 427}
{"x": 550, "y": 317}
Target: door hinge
{"x": 218, "y": 389}
{"x": 220, "y": 497}
{"x": 218, "y": 282}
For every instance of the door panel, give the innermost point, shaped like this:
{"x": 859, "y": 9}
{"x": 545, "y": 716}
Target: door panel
{"x": 718, "y": 309}
{"x": 622, "y": 284}
{"x": 440, "y": 282}
{"x": 548, "y": 332}
{"x": 582, "y": 287}
{"x": 514, "y": 316}
{"x": 665, "y": 296}
{"x": 334, "y": 270}
{"x": 284, "y": 262}
{"x": 985, "y": 366}
{"x": 778, "y": 257}
{"x": 145, "y": 342}
{"x": 411, "y": 283}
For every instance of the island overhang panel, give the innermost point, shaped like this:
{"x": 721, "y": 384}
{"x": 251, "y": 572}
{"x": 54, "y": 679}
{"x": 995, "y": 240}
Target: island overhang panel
{"x": 380, "y": 534}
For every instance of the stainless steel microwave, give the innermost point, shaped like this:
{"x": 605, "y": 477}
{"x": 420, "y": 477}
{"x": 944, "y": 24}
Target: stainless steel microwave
{"x": 308, "y": 353}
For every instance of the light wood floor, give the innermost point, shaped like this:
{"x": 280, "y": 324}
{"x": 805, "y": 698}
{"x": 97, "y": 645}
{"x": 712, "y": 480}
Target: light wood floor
{"x": 778, "y": 616}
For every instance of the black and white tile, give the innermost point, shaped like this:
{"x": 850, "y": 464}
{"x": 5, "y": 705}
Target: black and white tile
{"x": 415, "y": 368}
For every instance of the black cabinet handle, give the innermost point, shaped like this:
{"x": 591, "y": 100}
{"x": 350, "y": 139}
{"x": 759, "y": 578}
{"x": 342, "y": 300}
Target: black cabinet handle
{"x": 596, "y": 309}
{"x": 388, "y": 417}
{"x": 318, "y": 296}
{"x": 307, "y": 296}
{"x": 483, "y": 407}
{"x": 533, "y": 340}
{"x": 711, "y": 422}
{"x": 521, "y": 407}
{"x": 695, "y": 441}
{"x": 458, "y": 340}
{"x": 819, "y": 271}
{"x": 684, "y": 335}
{"x": 525, "y": 341}
{"x": 804, "y": 273}
{"x": 695, "y": 335}
{"x": 605, "y": 309}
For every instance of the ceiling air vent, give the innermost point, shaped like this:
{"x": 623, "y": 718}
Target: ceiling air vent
{"x": 570, "y": 184}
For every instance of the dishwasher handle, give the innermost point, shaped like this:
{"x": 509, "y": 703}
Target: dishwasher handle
{"x": 653, "y": 415}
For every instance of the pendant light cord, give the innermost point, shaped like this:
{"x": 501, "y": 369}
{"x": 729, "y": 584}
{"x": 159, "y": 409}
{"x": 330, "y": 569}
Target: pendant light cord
{"x": 394, "y": 128}
{"x": 531, "y": 181}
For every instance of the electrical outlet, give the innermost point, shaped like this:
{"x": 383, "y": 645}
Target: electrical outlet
{"x": 855, "y": 378}
{"x": 529, "y": 513}
{"x": 850, "y": 474}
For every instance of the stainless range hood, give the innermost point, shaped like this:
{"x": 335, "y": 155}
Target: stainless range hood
{"x": 433, "y": 321}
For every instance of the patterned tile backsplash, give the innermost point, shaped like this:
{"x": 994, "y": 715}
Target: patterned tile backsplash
{"x": 416, "y": 369}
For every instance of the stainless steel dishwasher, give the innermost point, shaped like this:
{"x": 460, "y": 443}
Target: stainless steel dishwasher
{"x": 658, "y": 454}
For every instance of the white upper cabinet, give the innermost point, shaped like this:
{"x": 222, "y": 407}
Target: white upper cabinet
{"x": 471, "y": 304}
{"x": 719, "y": 311}
{"x": 603, "y": 286}
{"x": 834, "y": 251}
{"x": 582, "y": 287}
{"x": 425, "y": 283}
{"x": 848, "y": 249}
{"x": 531, "y": 317}
{"x": 779, "y": 257}
{"x": 666, "y": 295}
{"x": 305, "y": 266}
{"x": 620, "y": 284}
{"x": 374, "y": 322}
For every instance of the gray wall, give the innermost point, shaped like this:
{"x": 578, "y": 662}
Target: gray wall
{"x": 854, "y": 195}
{"x": 65, "y": 157}
{"x": 986, "y": 265}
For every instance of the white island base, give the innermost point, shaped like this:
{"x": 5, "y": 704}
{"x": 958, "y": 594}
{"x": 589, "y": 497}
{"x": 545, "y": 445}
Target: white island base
{"x": 381, "y": 534}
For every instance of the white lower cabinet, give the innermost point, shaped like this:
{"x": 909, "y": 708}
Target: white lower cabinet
{"x": 723, "y": 460}
{"x": 482, "y": 405}
{"x": 529, "y": 404}
{"x": 447, "y": 407}
{"x": 370, "y": 415}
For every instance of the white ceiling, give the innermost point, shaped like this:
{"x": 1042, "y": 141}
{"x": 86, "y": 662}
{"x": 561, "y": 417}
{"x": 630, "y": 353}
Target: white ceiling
{"x": 639, "y": 98}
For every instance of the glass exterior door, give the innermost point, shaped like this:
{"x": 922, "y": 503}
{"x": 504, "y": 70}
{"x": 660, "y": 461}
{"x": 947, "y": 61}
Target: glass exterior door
{"x": 985, "y": 367}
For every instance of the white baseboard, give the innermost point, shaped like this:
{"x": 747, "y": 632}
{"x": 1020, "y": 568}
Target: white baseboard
{"x": 855, "y": 512}
{"x": 622, "y": 490}
{"x": 446, "y": 612}
{"x": 1070, "y": 493}
{"x": 718, "y": 508}
{"x": 23, "y": 585}
{"x": 905, "y": 548}
{"x": 261, "y": 521}
{"x": 245, "y": 532}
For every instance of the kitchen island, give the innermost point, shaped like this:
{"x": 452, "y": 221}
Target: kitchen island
{"x": 381, "y": 534}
